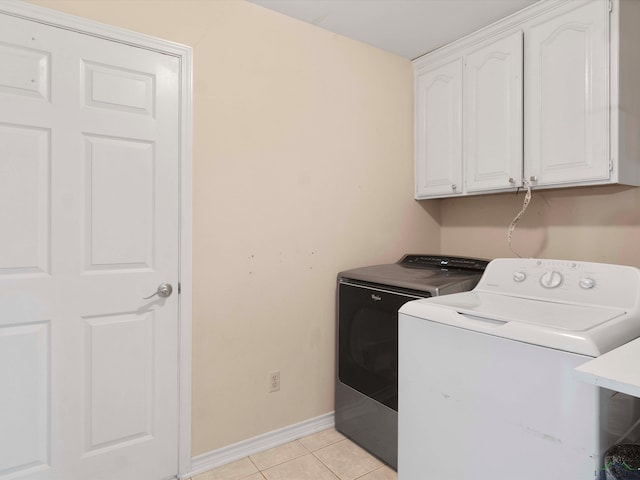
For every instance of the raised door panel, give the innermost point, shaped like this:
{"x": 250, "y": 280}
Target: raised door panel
{"x": 25, "y": 193}
{"x": 24, "y": 404}
{"x": 119, "y": 228}
{"x": 493, "y": 115}
{"x": 119, "y": 382}
{"x": 29, "y": 74}
{"x": 439, "y": 131}
{"x": 566, "y": 97}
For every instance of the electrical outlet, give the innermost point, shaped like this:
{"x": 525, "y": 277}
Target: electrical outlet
{"x": 274, "y": 381}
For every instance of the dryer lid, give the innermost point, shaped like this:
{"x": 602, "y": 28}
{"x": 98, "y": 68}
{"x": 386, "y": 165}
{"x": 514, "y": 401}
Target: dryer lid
{"x": 434, "y": 274}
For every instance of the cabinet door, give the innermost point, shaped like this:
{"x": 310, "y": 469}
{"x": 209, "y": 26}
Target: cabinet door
{"x": 566, "y": 96}
{"x": 439, "y": 131}
{"x": 493, "y": 115}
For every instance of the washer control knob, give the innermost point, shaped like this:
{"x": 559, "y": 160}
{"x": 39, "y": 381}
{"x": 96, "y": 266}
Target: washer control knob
{"x": 587, "y": 283}
{"x": 519, "y": 277}
{"x": 551, "y": 279}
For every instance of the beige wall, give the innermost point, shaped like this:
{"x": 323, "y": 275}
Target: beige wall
{"x": 303, "y": 166}
{"x": 598, "y": 224}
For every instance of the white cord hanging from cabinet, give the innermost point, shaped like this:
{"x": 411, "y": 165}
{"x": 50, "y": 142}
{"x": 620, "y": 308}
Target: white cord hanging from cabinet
{"x": 514, "y": 222}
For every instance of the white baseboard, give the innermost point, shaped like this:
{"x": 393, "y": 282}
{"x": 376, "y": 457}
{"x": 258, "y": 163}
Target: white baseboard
{"x": 216, "y": 458}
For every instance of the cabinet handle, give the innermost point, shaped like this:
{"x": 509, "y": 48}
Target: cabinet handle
{"x": 454, "y": 186}
{"x": 511, "y": 180}
{"x": 533, "y": 178}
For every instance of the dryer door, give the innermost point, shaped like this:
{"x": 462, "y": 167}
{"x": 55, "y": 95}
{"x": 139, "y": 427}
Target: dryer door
{"x": 368, "y": 340}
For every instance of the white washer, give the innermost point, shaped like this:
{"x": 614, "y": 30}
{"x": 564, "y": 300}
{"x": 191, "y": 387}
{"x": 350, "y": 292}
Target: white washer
{"x": 487, "y": 388}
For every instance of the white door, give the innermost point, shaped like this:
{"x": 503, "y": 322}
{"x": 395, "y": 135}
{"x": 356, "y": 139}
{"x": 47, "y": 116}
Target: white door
{"x": 439, "y": 131}
{"x": 493, "y": 115}
{"x": 89, "y": 211}
{"x": 566, "y": 96}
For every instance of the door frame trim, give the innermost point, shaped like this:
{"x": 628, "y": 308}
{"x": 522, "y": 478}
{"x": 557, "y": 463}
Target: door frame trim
{"x": 185, "y": 56}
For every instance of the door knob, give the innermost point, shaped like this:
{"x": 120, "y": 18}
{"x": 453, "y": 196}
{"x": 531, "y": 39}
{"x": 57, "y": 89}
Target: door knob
{"x": 164, "y": 290}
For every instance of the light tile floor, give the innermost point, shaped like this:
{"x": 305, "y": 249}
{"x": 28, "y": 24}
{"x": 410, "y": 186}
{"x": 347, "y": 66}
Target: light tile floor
{"x": 326, "y": 455}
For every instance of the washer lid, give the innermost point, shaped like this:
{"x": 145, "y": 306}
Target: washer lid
{"x": 583, "y": 329}
{"x": 562, "y": 316}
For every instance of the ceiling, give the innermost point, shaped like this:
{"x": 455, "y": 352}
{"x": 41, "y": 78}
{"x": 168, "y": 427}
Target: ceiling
{"x": 408, "y": 28}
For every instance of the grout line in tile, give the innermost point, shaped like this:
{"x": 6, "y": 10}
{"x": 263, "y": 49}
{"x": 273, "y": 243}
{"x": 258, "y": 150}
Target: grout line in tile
{"x": 335, "y": 474}
{"x": 307, "y": 452}
{"x": 328, "y": 467}
{"x": 347, "y": 440}
{"x": 254, "y": 464}
{"x": 374, "y": 470}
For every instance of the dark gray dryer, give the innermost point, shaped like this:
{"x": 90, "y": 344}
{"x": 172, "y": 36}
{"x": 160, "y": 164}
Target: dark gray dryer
{"x": 366, "y": 395}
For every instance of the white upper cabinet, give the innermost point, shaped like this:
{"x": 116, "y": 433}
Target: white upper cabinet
{"x": 493, "y": 115}
{"x": 439, "y": 130}
{"x": 548, "y": 96}
{"x": 566, "y": 96}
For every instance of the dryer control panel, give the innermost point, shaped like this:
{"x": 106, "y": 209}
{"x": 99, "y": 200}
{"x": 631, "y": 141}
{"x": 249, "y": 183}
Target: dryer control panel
{"x": 568, "y": 281}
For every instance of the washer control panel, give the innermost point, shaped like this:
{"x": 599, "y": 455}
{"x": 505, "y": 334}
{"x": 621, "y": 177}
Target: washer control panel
{"x": 566, "y": 281}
